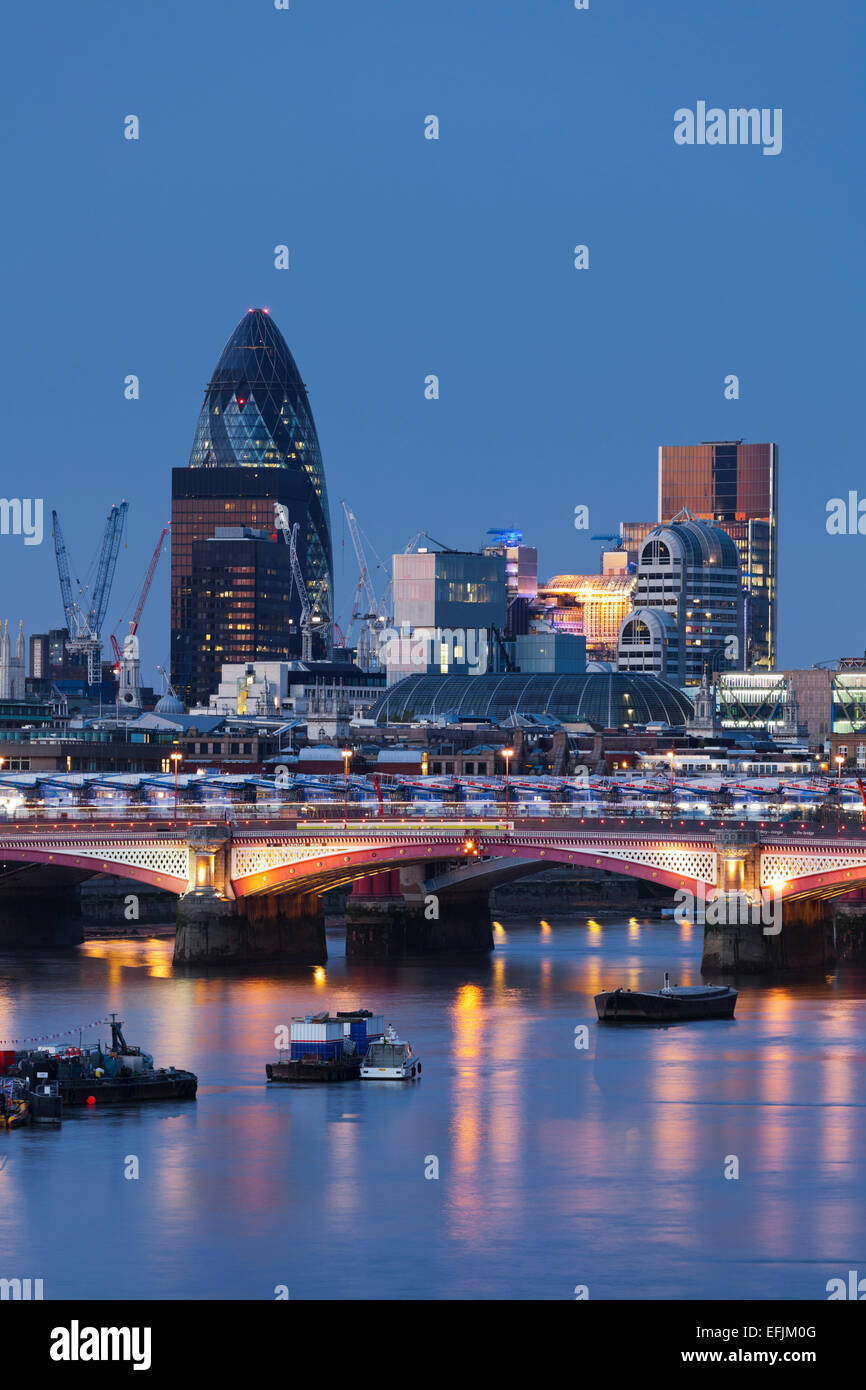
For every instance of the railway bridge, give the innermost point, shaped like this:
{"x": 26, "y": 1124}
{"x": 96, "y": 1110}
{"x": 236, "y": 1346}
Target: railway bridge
{"x": 252, "y": 890}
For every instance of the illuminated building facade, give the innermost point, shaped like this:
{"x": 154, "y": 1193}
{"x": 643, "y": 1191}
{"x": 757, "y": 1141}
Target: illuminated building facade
{"x": 588, "y": 605}
{"x": 688, "y": 604}
{"x": 521, "y": 577}
{"x": 447, "y": 604}
{"x": 241, "y": 587}
{"x": 734, "y": 486}
{"x": 255, "y": 445}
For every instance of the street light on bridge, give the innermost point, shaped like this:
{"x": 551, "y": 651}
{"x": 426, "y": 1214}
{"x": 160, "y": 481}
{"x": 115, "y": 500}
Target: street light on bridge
{"x": 176, "y": 758}
{"x": 347, "y": 753}
{"x": 508, "y": 754}
{"x": 671, "y": 761}
{"x": 839, "y": 762}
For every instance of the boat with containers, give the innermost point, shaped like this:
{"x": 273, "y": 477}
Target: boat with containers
{"x": 390, "y": 1059}
{"x": 326, "y": 1047}
{"x": 98, "y": 1074}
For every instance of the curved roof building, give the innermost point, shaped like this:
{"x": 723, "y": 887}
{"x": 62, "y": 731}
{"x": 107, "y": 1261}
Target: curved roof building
{"x": 255, "y": 444}
{"x": 688, "y": 603}
{"x": 256, "y": 414}
{"x": 610, "y": 700}
{"x": 689, "y": 542}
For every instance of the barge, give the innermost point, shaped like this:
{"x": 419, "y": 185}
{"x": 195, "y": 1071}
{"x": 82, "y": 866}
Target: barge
{"x": 671, "y": 1004}
{"x": 98, "y": 1075}
{"x": 323, "y": 1048}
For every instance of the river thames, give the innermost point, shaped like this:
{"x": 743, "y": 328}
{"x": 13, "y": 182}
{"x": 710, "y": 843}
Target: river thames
{"x": 559, "y": 1167}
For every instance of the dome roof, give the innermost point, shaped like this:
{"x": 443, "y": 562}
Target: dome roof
{"x": 696, "y": 543}
{"x": 168, "y": 704}
{"x": 612, "y": 699}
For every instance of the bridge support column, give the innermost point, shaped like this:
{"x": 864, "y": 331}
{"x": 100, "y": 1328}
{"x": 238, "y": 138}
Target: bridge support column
{"x": 282, "y": 927}
{"x": 851, "y": 927}
{"x": 805, "y": 941}
{"x": 747, "y": 933}
{"x": 392, "y": 916}
{"x": 215, "y": 928}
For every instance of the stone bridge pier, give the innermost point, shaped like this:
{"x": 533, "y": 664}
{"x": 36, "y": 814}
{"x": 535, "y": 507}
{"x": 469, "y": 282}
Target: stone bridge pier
{"x": 214, "y": 927}
{"x": 392, "y": 915}
{"x": 750, "y": 931}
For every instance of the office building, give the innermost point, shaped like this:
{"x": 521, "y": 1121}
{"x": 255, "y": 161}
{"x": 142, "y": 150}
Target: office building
{"x": 240, "y": 585}
{"x": 688, "y": 604}
{"x": 592, "y": 606}
{"x": 521, "y": 577}
{"x": 39, "y": 656}
{"x": 449, "y": 613}
{"x": 735, "y": 486}
{"x": 255, "y": 445}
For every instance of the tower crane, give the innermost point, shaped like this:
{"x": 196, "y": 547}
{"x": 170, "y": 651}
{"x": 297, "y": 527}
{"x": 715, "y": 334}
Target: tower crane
{"x": 142, "y": 598}
{"x": 372, "y": 621}
{"x": 85, "y": 624}
{"x": 308, "y": 606}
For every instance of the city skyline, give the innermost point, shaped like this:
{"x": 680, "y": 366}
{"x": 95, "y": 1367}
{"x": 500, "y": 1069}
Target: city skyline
{"x": 370, "y": 303}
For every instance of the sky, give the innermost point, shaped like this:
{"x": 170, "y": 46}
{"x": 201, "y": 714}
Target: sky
{"x": 411, "y": 257}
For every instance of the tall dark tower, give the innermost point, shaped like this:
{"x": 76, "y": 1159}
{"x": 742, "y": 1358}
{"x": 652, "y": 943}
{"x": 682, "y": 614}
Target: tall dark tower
{"x": 232, "y": 599}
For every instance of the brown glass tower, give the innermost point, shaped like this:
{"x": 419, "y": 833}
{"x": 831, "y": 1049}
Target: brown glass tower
{"x": 735, "y": 486}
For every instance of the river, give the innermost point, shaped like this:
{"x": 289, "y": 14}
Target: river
{"x": 560, "y": 1167}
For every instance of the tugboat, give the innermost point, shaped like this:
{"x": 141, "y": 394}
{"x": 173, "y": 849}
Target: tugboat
{"x": 671, "y": 1004}
{"x": 389, "y": 1059}
{"x": 100, "y": 1075}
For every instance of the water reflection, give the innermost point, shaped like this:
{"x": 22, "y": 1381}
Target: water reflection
{"x": 556, "y": 1165}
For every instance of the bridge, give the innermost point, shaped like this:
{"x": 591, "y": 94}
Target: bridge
{"x": 251, "y": 890}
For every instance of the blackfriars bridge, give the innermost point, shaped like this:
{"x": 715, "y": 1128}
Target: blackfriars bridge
{"x": 252, "y": 891}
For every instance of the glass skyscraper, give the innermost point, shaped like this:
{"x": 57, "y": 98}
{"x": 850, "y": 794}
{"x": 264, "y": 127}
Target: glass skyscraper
{"x": 255, "y": 445}
{"x": 736, "y": 487}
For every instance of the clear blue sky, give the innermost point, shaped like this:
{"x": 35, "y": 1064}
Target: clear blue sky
{"x": 454, "y": 257}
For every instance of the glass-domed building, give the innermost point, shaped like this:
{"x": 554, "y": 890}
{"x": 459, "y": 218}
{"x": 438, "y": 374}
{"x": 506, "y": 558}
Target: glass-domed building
{"x": 255, "y": 445}
{"x": 606, "y": 699}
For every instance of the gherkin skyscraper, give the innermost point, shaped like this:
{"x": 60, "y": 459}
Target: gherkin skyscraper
{"x": 255, "y": 444}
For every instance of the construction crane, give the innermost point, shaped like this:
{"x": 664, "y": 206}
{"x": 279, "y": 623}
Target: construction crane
{"x": 308, "y": 607}
{"x": 372, "y": 620}
{"x": 142, "y": 598}
{"x": 85, "y": 624}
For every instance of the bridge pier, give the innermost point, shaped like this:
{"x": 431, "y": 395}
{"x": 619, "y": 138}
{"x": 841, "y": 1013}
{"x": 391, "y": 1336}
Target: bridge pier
{"x": 214, "y": 927}
{"x": 804, "y": 942}
{"x": 391, "y": 916}
{"x": 747, "y": 931}
{"x": 851, "y": 927}
{"x": 279, "y": 927}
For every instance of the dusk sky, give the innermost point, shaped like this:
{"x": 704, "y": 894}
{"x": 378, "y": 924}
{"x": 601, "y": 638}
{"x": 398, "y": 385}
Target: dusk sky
{"x": 411, "y": 256}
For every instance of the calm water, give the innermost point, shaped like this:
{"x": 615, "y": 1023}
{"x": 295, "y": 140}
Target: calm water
{"x": 557, "y": 1167}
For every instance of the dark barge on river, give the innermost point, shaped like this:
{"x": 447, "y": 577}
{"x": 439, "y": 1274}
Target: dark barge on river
{"x": 672, "y": 1004}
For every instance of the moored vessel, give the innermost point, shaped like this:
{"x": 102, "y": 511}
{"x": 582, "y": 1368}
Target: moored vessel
{"x": 390, "y": 1059}
{"x": 326, "y": 1048}
{"x": 99, "y": 1074}
{"x": 670, "y": 1004}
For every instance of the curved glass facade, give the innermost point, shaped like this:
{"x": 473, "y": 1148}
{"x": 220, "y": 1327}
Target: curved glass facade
{"x": 610, "y": 700}
{"x": 255, "y": 445}
{"x": 256, "y": 414}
